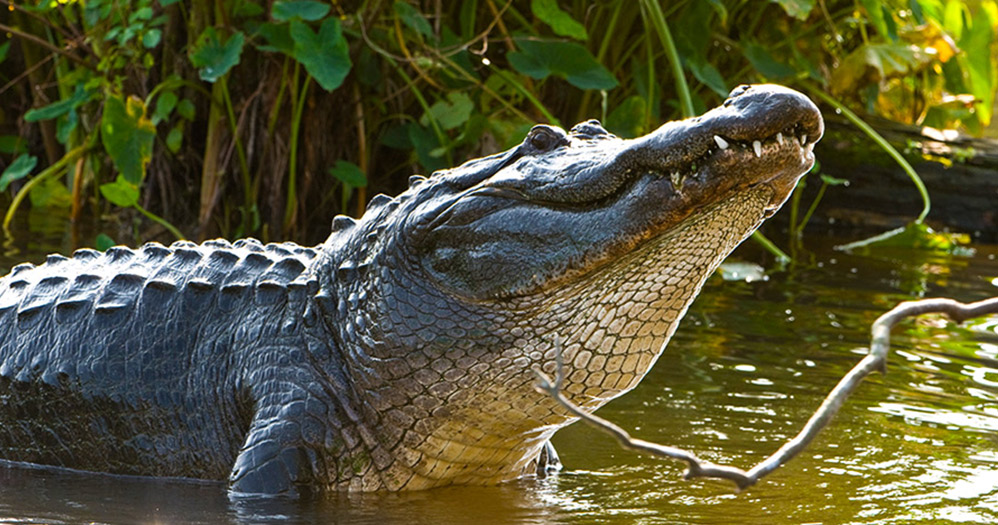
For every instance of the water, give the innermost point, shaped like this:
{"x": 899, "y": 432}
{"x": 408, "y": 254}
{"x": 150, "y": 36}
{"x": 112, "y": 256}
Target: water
{"x": 746, "y": 369}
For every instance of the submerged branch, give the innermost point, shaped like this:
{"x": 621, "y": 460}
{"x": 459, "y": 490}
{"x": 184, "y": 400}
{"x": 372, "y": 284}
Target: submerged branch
{"x": 876, "y": 360}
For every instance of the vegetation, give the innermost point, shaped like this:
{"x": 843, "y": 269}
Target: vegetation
{"x": 250, "y": 117}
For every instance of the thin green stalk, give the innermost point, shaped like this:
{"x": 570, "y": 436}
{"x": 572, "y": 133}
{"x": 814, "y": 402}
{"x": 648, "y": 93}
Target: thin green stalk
{"x": 810, "y": 210}
{"x": 292, "y": 200}
{"x": 880, "y": 141}
{"x": 54, "y": 170}
{"x": 159, "y": 220}
{"x": 682, "y": 88}
{"x": 528, "y": 95}
{"x": 240, "y": 152}
{"x": 781, "y": 257}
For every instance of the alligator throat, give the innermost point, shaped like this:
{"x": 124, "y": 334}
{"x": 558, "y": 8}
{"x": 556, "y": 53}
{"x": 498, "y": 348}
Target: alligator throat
{"x": 399, "y": 353}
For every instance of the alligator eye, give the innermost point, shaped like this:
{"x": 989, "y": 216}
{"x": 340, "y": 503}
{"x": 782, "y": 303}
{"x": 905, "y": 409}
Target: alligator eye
{"x": 545, "y": 138}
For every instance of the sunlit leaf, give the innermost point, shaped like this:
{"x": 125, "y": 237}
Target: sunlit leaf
{"x": 749, "y": 272}
{"x": 561, "y": 22}
{"x": 916, "y": 236}
{"x": 799, "y": 9}
{"x": 872, "y": 63}
{"x": 411, "y": 17}
{"x": 303, "y": 9}
{"x": 324, "y": 54}
{"x": 450, "y": 113}
{"x": 120, "y": 192}
{"x": 540, "y": 59}
{"x": 50, "y": 193}
{"x": 18, "y": 169}
{"x": 214, "y": 57}
{"x": 127, "y": 135}
{"x": 348, "y": 173}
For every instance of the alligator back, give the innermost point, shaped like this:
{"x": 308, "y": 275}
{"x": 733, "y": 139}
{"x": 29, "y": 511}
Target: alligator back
{"x": 134, "y": 361}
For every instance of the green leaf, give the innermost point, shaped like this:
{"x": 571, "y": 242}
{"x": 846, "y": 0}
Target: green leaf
{"x": 876, "y": 62}
{"x": 103, "y": 242}
{"x": 285, "y": 10}
{"x": 348, "y": 173}
{"x": 413, "y": 18}
{"x": 277, "y": 38}
{"x": 4, "y": 48}
{"x": 66, "y": 125}
{"x": 765, "y": 64}
{"x": 18, "y": 169}
{"x": 540, "y": 59}
{"x": 213, "y": 57}
{"x": 165, "y": 105}
{"x": 186, "y": 109}
{"x": 151, "y": 38}
{"x": 11, "y": 144}
{"x": 450, "y": 113}
{"x": 324, "y": 55}
{"x": 120, "y": 192}
{"x": 799, "y": 9}
{"x": 627, "y": 119}
{"x": 143, "y": 13}
{"x": 60, "y": 108}
{"x": 561, "y": 22}
{"x": 50, "y": 193}
{"x": 709, "y": 76}
{"x": 127, "y": 136}
{"x": 175, "y": 138}
{"x": 916, "y": 236}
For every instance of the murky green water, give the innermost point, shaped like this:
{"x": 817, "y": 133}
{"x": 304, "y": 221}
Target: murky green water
{"x": 746, "y": 369}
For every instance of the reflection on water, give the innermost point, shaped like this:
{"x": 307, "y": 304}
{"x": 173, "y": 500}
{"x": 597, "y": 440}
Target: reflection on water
{"x": 748, "y": 366}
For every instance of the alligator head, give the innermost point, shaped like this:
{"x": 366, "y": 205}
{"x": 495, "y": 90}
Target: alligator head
{"x": 443, "y": 299}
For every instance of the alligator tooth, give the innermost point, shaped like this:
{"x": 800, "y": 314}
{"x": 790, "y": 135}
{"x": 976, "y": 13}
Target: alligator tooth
{"x": 803, "y": 140}
{"x": 721, "y": 143}
{"x": 757, "y": 147}
{"x": 779, "y": 138}
{"x": 677, "y": 180}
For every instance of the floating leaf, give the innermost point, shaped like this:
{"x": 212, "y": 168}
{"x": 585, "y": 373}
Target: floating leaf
{"x": 18, "y": 169}
{"x": 309, "y": 10}
{"x": 573, "y": 62}
{"x": 213, "y": 57}
{"x": 749, "y": 272}
{"x": 324, "y": 55}
{"x": 128, "y": 136}
{"x": 413, "y": 18}
{"x": 450, "y": 113}
{"x": 561, "y": 22}
{"x": 120, "y": 192}
{"x": 348, "y": 173}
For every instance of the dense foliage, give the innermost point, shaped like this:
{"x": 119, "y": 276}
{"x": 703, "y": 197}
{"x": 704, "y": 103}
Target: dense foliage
{"x": 250, "y": 117}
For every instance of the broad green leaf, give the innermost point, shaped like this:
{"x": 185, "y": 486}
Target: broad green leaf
{"x": 284, "y": 10}
{"x": 213, "y": 57}
{"x": 103, "y": 242}
{"x": 143, "y": 13}
{"x": 151, "y": 38}
{"x": 127, "y": 135}
{"x": 120, "y": 192}
{"x": 186, "y": 109}
{"x": 18, "y": 169}
{"x": 413, "y": 18}
{"x": 164, "y": 106}
{"x": 175, "y": 138}
{"x": 450, "y": 113}
{"x": 870, "y": 64}
{"x": 561, "y": 22}
{"x": 540, "y": 59}
{"x": 627, "y": 119}
{"x": 348, "y": 173}
{"x": 765, "y": 64}
{"x": 277, "y": 38}
{"x": 324, "y": 55}
{"x": 710, "y": 76}
{"x": 799, "y": 9}
{"x": 60, "y": 108}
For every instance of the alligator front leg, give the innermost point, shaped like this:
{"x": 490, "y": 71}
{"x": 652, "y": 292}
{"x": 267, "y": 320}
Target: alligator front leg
{"x": 274, "y": 459}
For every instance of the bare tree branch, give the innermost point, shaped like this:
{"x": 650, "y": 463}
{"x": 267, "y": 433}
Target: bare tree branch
{"x": 876, "y": 360}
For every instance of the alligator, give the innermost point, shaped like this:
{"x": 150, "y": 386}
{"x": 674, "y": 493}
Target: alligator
{"x": 399, "y": 354}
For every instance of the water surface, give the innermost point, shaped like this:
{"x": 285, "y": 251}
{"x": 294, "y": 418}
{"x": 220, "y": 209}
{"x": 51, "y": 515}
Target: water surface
{"x": 745, "y": 370}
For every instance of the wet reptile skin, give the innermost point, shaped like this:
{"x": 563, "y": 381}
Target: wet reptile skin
{"x": 398, "y": 354}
